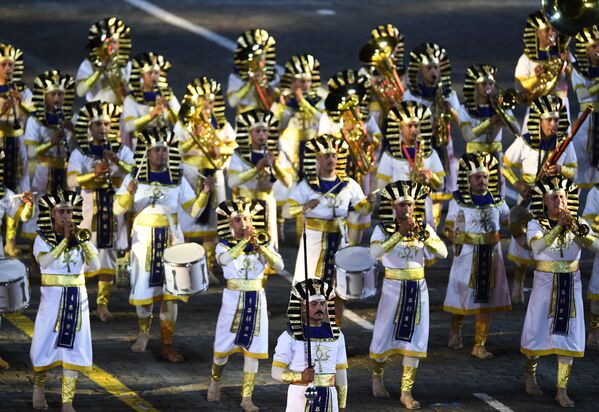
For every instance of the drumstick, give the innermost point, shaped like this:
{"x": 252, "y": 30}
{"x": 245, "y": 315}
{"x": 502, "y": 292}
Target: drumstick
{"x": 329, "y": 191}
{"x": 142, "y": 162}
{"x": 197, "y": 172}
{"x": 20, "y": 196}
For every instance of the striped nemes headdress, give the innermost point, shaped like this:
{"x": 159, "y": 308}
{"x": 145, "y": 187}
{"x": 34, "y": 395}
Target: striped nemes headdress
{"x": 407, "y": 111}
{"x": 102, "y": 32}
{"x": 325, "y": 143}
{"x": 47, "y": 82}
{"x": 9, "y": 52}
{"x": 549, "y": 185}
{"x": 471, "y": 163}
{"x": 252, "y": 45}
{"x": 97, "y": 111}
{"x": 228, "y": 209}
{"x": 348, "y": 89}
{"x": 423, "y": 55}
{"x": 302, "y": 65}
{"x": 48, "y": 202}
{"x": 584, "y": 38}
{"x": 251, "y": 119}
{"x": 536, "y": 21}
{"x": 144, "y": 62}
{"x": 201, "y": 89}
{"x": 402, "y": 191}
{"x": 543, "y": 107}
{"x": 317, "y": 289}
{"x": 475, "y": 74}
{"x": 154, "y": 137}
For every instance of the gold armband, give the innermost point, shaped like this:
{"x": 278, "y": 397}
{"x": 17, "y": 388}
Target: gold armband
{"x": 529, "y": 82}
{"x": 289, "y": 376}
{"x": 509, "y": 175}
{"x": 142, "y": 121}
{"x": 86, "y": 178}
{"x": 307, "y": 107}
{"x": 550, "y": 236}
{"x": 295, "y": 210}
{"x": 480, "y": 129}
{"x": 282, "y": 175}
{"x": 247, "y": 175}
{"x": 435, "y": 181}
{"x": 57, "y": 251}
{"x": 342, "y": 396}
{"x": 202, "y": 200}
{"x": 390, "y": 243}
{"x": 587, "y": 240}
{"x": 272, "y": 258}
{"x": 238, "y": 248}
{"x": 278, "y": 111}
{"x": 91, "y": 80}
{"x": 126, "y": 167}
{"x": 88, "y": 251}
{"x": 27, "y": 212}
{"x": 43, "y": 148}
{"x": 594, "y": 89}
{"x": 125, "y": 200}
{"x": 241, "y": 93}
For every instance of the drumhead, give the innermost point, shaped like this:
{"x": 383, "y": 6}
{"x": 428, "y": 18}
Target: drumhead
{"x": 354, "y": 258}
{"x": 184, "y": 253}
{"x": 11, "y": 270}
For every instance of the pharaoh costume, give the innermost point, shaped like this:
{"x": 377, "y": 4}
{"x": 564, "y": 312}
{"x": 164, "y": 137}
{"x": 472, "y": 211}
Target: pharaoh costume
{"x": 62, "y": 335}
{"x": 402, "y": 319}
{"x": 328, "y": 353}
{"x": 402, "y": 162}
{"x": 591, "y": 215}
{"x": 251, "y": 85}
{"x": 325, "y": 224}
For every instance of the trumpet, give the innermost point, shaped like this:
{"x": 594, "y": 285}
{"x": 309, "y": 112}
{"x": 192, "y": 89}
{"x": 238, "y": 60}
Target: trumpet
{"x": 415, "y": 231}
{"x": 259, "y": 237}
{"x": 503, "y": 100}
{"x": 574, "y": 225}
{"x": 83, "y": 235}
{"x": 260, "y": 82}
{"x": 114, "y": 76}
{"x": 16, "y": 125}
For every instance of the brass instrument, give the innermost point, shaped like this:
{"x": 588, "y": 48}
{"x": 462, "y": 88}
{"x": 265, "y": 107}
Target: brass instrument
{"x": 113, "y": 75}
{"x": 418, "y": 166}
{"x": 502, "y": 100}
{"x": 569, "y": 17}
{"x": 207, "y": 141}
{"x": 259, "y": 237}
{"x": 417, "y": 232}
{"x": 260, "y": 82}
{"x": 547, "y": 80}
{"x": 16, "y": 125}
{"x": 83, "y": 235}
{"x": 578, "y": 228}
{"x": 63, "y": 150}
{"x": 357, "y": 139}
{"x": 442, "y": 132}
{"x": 377, "y": 52}
{"x": 273, "y": 177}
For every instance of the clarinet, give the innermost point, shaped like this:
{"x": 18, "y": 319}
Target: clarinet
{"x": 271, "y": 171}
{"x": 16, "y": 125}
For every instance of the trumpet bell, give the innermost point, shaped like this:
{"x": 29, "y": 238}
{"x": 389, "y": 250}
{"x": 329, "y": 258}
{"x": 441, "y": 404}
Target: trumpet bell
{"x": 83, "y": 235}
{"x": 570, "y": 16}
{"x": 377, "y": 49}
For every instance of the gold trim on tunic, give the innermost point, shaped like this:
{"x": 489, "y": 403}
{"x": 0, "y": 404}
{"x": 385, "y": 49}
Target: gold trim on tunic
{"x": 557, "y": 266}
{"x": 322, "y": 225}
{"x": 470, "y": 238}
{"x": 493, "y": 147}
{"x": 53, "y": 162}
{"x": 154, "y": 220}
{"x": 245, "y": 285}
{"x": 404, "y": 274}
{"x": 63, "y": 280}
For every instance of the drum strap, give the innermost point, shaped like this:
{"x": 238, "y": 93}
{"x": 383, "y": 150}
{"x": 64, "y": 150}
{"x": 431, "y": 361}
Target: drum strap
{"x": 322, "y": 401}
{"x": 158, "y": 243}
{"x": 104, "y": 218}
{"x": 482, "y": 277}
{"x": 408, "y": 310}
{"x": 248, "y": 319}
{"x": 562, "y": 303}
{"x": 68, "y": 317}
{"x": 57, "y": 179}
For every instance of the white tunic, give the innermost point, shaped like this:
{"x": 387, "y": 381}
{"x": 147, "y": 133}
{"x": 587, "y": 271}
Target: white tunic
{"x": 9, "y": 206}
{"x": 328, "y": 356}
{"x": 591, "y": 210}
{"x": 101, "y": 89}
{"x": 132, "y": 110}
{"x": 537, "y": 337}
{"x": 44, "y": 352}
{"x": 251, "y": 99}
{"x": 460, "y": 294}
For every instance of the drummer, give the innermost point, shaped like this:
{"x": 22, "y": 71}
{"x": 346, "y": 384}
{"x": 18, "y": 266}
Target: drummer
{"x": 14, "y": 206}
{"x": 156, "y": 194}
{"x": 402, "y": 325}
{"x": 243, "y": 252}
{"x": 324, "y": 196}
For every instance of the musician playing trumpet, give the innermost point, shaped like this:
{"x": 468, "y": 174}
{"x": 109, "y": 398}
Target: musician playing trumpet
{"x": 554, "y": 322}
{"x": 547, "y": 124}
{"x": 243, "y": 251}
{"x": 104, "y": 74}
{"x": 402, "y": 324}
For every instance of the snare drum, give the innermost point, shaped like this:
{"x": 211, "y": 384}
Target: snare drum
{"x": 355, "y": 275}
{"x": 185, "y": 270}
{"x": 14, "y": 286}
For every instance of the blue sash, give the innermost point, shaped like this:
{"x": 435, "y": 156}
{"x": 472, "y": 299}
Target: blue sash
{"x": 69, "y": 317}
{"x": 158, "y": 243}
{"x": 11, "y": 162}
{"x": 593, "y": 139}
{"x": 332, "y": 246}
{"x": 57, "y": 179}
{"x": 408, "y": 310}
{"x": 322, "y": 401}
{"x": 483, "y": 265}
{"x": 249, "y": 316}
{"x": 104, "y": 218}
{"x": 563, "y": 305}
{"x": 204, "y": 217}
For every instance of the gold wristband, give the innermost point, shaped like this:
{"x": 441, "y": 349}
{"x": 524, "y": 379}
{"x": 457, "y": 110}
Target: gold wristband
{"x": 435, "y": 181}
{"x": 238, "y": 248}
{"x": 289, "y": 376}
{"x": 594, "y": 89}
{"x": 57, "y": 251}
{"x": 480, "y": 129}
{"x": 272, "y": 258}
{"x": 125, "y": 200}
{"x": 86, "y": 178}
{"x": 91, "y": 80}
{"x": 186, "y": 145}
{"x": 247, "y": 175}
{"x": 509, "y": 175}
{"x": 342, "y": 395}
{"x": 43, "y": 148}
{"x": 126, "y": 167}
{"x": 550, "y": 236}
{"x": 88, "y": 251}
{"x": 142, "y": 121}
{"x": 567, "y": 172}
{"x": 390, "y": 243}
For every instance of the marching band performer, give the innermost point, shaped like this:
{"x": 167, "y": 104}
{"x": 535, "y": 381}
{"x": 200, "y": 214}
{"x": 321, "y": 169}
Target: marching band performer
{"x": 546, "y": 126}
{"x": 310, "y": 304}
{"x": 591, "y": 211}
{"x": 97, "y": 167}
{"x": 554, "y": 322}
{"x": 49, "y": 134}
{"x": 348, "y": 117}
{"x": 15, "y": 105}
{"x": 477, "y": 280}
{"x": 299, "y": 110}
{"x": 156, "y": 195}
{"x": 104, "y": 74}
{"x": 150, "y": 102}
{"x": 402, "y": 320}
{"x": 429, "y": 83}
{"x": 585, "y": 77}
{"x": 62, "y": 336}
{"x": 253, "y": 83}
{"x": 324, "y": 196}
{"x": 243, "y": 252}
{"x": 256, "y": 164}
{"x": 206, "y": 142}
{"x": 409, "y": 154}
{"x": 485, "y": 112}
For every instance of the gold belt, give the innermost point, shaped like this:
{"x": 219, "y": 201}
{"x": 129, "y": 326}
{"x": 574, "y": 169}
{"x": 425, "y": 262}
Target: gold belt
{"x": 470, "y": 238}
{"x": 557, "y": 266}
{"x": 404, "y": 274}
{"x": 259, "y": 194}
{"x": 245, "y": 285}
{"x": 493, "y": 147}
{"x": 63, "y": 280}
{"x": 322, "y": 379}
{"x": 153, "y": 220}
{"x": 322, "y": 225}
{"x": 52, "y": 162}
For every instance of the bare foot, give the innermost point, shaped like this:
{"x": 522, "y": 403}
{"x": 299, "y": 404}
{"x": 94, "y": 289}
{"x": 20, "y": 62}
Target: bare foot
{"x": 531, "y": 386}
{"x": 103, "y": 313}
{"x": 481, "y": 352}
{"x": 171, "y": 355}
{"x": 39, "y": 399}
{"x": 141, "y": 343}
{"x": 378, "y": 387}
{"x": 3, "y": 364}
{"x": 248, "y": 406}
{"x": 213, "y": 394}
{"x": 67, "y": 407}
{"x": 592, "y": 340}
{"x": 518, "y": 293}
{"x": 563, "y": 399}
{"x": 408, "y": 401}
{"x": 455, "y": 340}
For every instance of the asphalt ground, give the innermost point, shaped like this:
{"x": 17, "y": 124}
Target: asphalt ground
{"x": 53, "y": 35}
